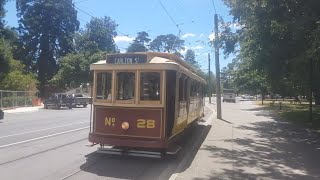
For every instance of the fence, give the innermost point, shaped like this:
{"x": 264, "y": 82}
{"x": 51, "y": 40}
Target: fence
{"x": 10, "y": 99}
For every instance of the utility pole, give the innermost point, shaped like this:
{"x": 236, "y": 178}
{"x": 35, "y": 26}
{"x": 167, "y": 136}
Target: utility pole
{"x": 216, "y": 45}
{"x": 209, "y": 83}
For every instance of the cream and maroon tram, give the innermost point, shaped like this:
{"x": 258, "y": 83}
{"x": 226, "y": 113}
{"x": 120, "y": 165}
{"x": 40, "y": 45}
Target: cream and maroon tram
{"x": 143, "y": 100}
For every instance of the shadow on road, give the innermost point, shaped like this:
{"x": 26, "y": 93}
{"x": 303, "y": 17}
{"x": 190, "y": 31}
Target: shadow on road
{"x": 125, "y": 167}
{"x": 279, "y": 150}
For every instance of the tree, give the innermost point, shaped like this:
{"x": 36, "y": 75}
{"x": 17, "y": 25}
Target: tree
{"x": 12, "y": 72}
{"x": 2, "y": 14}
{"x": 17, "y": 79}
{"x": 190, "y": 58}
{"x": 281, "y": 40}
{"x": 46, "y": 31}
{"x": 167, "y": 43}
{"x": 97, "y": 36}
{"x": 5, "y": 56}
{"x": 139, "y": 43}
{"x": 75, "y": 69}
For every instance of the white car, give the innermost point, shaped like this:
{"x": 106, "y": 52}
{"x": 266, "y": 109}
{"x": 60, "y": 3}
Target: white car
{"x": 229, "y": 95}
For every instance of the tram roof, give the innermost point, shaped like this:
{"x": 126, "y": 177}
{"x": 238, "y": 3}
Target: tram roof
{"x": 140, "y": 58}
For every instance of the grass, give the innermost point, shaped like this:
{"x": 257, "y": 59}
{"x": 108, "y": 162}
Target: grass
{"x": 296, "y": 113}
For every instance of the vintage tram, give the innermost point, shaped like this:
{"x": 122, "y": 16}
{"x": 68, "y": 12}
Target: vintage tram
{"x": 143, "y": 100}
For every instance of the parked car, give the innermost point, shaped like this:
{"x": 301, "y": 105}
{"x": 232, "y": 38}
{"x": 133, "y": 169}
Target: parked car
{"x": 1, "y": 114}
{"x": 81, "y": 100}
{"x": 228, "y": 95}
{"x": 59, "y": 100}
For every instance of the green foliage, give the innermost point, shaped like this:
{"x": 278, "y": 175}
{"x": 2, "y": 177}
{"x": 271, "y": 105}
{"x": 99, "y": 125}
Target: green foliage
{"x": 75, "y": 69}
{"x": 5, "y": 56}
{"x": 46, "y": 31}
{"x": 139, "y": 43}
{"x": 2, "y": 14}
{"x": 167, "y": 43}
{"x": 97, "y": 36}
{"x": 277, "y": 41}
{"x": 190, "y": 58}
{"x": 16, "y": 79}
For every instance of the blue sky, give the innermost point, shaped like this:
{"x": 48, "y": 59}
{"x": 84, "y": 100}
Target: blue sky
{"x": 194, "y": 17}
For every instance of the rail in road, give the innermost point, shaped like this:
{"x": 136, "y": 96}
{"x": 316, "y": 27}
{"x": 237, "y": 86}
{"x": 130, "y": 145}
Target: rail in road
{"x": 51, "y": 144}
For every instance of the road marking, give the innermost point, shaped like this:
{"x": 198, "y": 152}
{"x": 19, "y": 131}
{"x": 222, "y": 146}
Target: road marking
{"x": 42, "y": 129}
{"x": 43, "y": 137}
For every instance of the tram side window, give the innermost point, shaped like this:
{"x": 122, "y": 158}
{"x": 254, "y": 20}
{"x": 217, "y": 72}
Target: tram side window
{"x": 182, "y": 88}
{"x": 150, "y": 86}
{"x": 104, "y": 81}
{"x": 194, "y": 89}
{"x": 125, "y": 85}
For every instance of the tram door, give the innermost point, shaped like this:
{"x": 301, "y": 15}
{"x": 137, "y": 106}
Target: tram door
{"x": 171, "y": 96}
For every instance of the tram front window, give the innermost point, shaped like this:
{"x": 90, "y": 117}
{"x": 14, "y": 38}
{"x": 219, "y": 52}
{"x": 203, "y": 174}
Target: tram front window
{"x": 104, "y": 81}
{"x": 125, "y": 85}
{"x": 150, "y": 86}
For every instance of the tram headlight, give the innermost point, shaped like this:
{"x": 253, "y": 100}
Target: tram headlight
{"x": 125, "y": 125}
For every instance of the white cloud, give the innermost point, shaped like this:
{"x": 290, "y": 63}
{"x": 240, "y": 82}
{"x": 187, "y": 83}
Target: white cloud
{"x": 183, "y": 51}
{"x": 201, "y": 35}
{"x": 188, "y": 35}
{"x": 123, "y": 39}
{"x": 236, "y": 26}
{"x": 196, "y": 47}
{"x": 211, "y": 36}
{"x": 192, "y": 47}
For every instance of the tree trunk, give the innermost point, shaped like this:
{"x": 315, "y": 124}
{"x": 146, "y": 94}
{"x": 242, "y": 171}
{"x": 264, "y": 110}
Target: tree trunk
{"x": 43, "y": 65}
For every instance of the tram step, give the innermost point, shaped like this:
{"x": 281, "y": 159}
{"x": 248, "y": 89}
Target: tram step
{"x": 173, "y": 149}
{"x": 117, "y": 151}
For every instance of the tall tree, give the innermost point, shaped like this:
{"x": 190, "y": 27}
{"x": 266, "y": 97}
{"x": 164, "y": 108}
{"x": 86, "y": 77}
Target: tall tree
{"x": 97, "y": 36}
{"x": 5, "y": 56}
{"x": 75, "y": 69}
{"x": 167, "y": 43}
{"x": 139, "y": 43}
{"x": 190, "y": 57}
{"x": 2, "y": 14}
{"x": 46, "y": 29}
{"x": 282, "y": 40}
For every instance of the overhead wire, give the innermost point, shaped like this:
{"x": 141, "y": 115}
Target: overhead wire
{"x": 95, "y": 17}
{"x": 214, "y": 6}
{"x": 176, "y": 24}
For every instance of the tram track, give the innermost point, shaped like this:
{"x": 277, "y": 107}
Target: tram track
{"x": 95, "y": 161}
{"x": 41, "y": 152}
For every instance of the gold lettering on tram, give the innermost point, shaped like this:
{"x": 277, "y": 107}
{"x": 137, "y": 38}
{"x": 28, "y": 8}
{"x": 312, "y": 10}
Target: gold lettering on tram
{"x": 142, "y": 123}
{"x": 109, "y": 121}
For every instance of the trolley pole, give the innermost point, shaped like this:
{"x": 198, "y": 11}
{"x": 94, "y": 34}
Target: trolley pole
{"x": 209, "y": 83}
{"x": 216, "y": 45}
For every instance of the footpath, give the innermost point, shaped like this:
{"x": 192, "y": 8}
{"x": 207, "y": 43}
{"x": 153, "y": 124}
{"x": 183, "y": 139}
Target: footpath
{"x": 23, "y": 109}
{"x": 252, "y": 143}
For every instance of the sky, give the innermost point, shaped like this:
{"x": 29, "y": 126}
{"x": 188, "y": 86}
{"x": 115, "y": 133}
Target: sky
{"x": 194, "y": 18}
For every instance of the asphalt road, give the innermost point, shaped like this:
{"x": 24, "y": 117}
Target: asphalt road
{"x": 52, "y": 144}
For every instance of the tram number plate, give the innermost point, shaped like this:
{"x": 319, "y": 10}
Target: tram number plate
{"x": 143, "y": 123}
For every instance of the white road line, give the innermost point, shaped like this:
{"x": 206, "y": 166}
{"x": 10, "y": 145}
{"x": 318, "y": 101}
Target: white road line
{"x": 42, "y": 137}
{"x": 42, "y": 129}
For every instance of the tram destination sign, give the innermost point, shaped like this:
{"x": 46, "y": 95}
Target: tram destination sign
{"x": 126, "y": 58}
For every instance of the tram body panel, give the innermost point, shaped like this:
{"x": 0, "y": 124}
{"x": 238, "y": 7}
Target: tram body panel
{"x": 142, "y": 122}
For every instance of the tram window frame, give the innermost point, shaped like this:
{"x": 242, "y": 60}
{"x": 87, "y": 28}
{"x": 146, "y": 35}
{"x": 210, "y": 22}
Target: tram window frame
{"x": 158, "y": 101}
{"x": 183, "y": 91}
{"x": 125, "y": 101}
{"x": 96, "y": 87}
